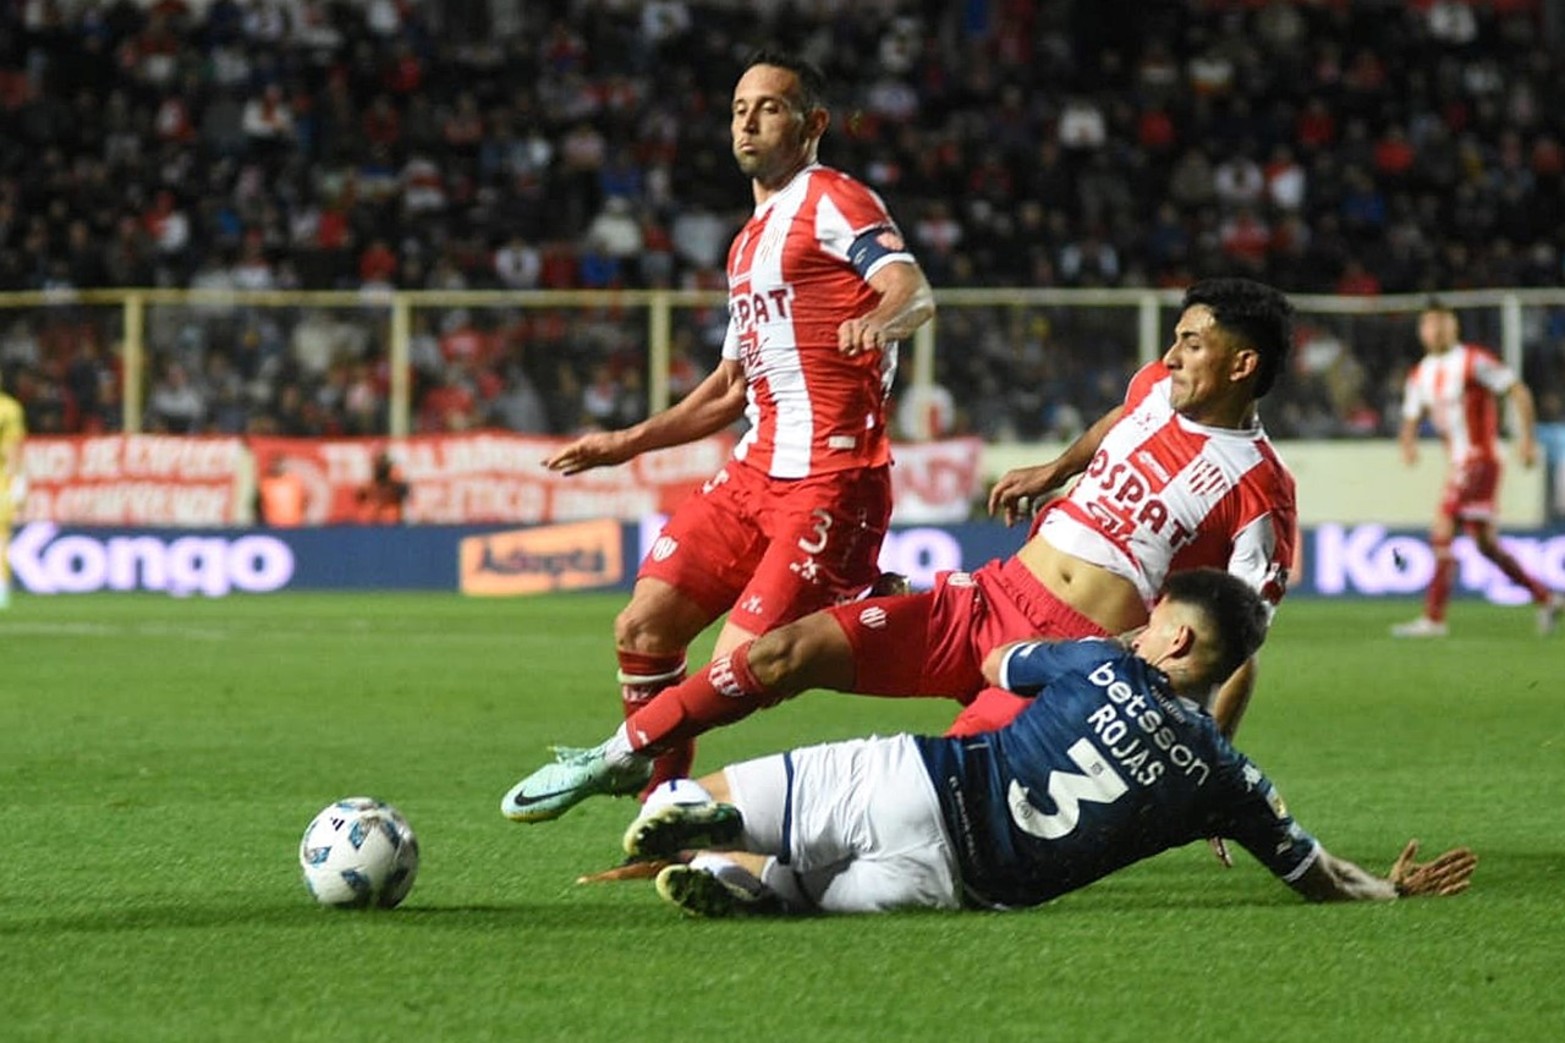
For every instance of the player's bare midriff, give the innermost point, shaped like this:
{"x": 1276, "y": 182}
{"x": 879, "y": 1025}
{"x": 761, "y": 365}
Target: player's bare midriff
{"x": 1108, "y": 600}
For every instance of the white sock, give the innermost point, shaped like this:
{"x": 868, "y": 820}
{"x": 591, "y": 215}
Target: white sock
{"x": 783, "y": 882}
{"x": 736, "y": 876}
{"x": 616, "y": 749}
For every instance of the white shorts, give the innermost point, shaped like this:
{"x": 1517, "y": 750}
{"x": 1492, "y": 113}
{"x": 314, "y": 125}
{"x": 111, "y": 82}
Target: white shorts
{"x": 852, "y": 826}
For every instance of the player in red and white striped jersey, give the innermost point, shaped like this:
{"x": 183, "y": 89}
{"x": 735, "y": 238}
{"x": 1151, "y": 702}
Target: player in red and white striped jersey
{"x": 821, "y": 289}
{"x": 1458, "y": 386}
{"x": 1182, "y": 475}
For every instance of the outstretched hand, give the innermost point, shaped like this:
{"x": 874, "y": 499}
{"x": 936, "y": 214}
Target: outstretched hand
{"x": 599, "y": 449}
{"x": 1447, "y": 874}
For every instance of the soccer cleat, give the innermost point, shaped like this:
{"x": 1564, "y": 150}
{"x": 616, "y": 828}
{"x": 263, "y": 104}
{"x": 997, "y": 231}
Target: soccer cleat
{"x": 1549, "y": 614}
{"x": 699, "y": 892}
{"x": 666, "y": 831}
{"x": 557, "y": 787}
{"x": 565, "y": 754}
{"x": 1423, "y": 626}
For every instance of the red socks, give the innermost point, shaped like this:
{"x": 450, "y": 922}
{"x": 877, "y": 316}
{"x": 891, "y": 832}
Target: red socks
{"x": 641, "y": 677}
{"x": 1439, "y": 593}
{"x": 1445, "y": 576}
{"x": 1518, "y": 575}
{"x": 724, "y": 692}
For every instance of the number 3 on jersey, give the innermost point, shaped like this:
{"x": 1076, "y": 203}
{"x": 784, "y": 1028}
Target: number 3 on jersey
{"x": 1099, "y": 783}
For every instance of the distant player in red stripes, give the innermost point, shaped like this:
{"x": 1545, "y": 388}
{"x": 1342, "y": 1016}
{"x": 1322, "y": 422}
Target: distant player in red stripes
{"x": 1458, "y": 386}
{"x": 821, "y": 289}
{"x": 1181, "y": 476}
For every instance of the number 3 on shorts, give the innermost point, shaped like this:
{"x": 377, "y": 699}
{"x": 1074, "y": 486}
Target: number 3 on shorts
{"x": 822, "y": 530}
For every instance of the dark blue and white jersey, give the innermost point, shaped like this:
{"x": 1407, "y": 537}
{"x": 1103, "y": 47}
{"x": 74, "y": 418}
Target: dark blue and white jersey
{"x": 1106, "y": 767}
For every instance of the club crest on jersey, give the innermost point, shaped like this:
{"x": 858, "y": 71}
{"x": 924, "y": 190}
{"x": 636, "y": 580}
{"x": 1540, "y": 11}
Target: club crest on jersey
{"x": 664, "y": 547}
{"x": 874, "y": 617}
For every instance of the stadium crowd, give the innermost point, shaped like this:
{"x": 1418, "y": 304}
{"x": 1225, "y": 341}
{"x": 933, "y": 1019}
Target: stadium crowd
{"x": 1319, "y": 145}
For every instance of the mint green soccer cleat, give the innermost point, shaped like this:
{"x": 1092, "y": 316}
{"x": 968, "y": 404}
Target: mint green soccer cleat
{"x": 699, "y": 892}
{"x": 565, "y": 754}
{"x": 557, "y": 787}
{"x": 666, "y": 831}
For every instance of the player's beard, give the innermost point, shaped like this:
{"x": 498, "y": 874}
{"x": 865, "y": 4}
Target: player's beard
{"x": 769, "y": 167}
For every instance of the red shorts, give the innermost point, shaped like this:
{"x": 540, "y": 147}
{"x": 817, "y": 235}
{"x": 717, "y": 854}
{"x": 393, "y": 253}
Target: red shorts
{"x": 933, "y": 644}
{"x": 773, "y": 549}
{"x": 1470, "y": 489}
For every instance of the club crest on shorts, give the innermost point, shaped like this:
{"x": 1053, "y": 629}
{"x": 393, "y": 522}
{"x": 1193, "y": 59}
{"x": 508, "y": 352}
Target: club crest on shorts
{"x": 663, "y": 548}
{"x": 873, "y": 617}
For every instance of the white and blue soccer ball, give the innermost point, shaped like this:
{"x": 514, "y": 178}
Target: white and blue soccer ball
{"x": 359, "y": 853}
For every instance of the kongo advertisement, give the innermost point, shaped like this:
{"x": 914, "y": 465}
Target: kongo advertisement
{"x": 1337, "y": 561}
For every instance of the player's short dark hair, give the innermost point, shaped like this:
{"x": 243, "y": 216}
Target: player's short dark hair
{"x": 1255, "y": 313}
{"x": 1236, "y": 615}
{"x": 812, "y": 82}
{"x": 1437, "y": 306}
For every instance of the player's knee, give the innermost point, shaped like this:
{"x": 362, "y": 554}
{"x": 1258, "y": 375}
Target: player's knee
{"x": 636, "y": 629}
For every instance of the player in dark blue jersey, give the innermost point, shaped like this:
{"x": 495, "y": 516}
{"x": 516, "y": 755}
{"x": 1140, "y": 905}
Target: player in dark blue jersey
{"x": 1115, "y": 760}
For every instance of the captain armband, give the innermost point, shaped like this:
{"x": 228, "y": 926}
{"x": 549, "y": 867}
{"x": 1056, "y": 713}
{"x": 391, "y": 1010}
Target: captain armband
{"x": 876, "y": 246}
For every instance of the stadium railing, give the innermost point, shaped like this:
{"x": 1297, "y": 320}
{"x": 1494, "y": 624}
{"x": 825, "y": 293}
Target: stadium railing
{"x": 1015, "y": 353}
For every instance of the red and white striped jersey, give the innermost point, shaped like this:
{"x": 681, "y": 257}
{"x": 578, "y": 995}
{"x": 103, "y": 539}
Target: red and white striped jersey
{"x": 796, "y": 272}
{"x": 1163, "y": 494}
{"x": 1459, "y": 387}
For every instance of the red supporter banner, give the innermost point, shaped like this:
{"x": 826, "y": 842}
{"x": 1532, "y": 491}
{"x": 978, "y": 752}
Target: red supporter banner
{"x": 486, "y": 477}
{"x": 935, "y": 482}
{"x": 460, "y": 479}
{"x": 132, "y": 480}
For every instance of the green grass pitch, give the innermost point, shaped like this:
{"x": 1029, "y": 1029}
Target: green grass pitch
{"x": 159, "y": 758}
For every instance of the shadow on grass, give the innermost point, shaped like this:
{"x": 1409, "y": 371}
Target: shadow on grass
{"x": 185, "y": 916}
{"x": 1173, "y": 890}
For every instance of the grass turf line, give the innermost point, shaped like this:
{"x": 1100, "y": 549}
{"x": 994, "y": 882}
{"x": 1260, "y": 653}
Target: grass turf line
{"x": 159, "y": 758}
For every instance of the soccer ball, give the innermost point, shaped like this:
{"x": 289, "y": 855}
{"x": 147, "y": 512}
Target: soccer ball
{"x": 359, "y": 853}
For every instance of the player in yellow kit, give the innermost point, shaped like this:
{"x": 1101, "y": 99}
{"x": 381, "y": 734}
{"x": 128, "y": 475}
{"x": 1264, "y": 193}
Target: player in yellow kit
{"x": 12, "y": 431}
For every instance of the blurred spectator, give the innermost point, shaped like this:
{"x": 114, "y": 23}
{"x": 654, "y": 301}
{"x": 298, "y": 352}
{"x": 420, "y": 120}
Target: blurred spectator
{"x": 1238, "y": 181}
{"x": 517, "y": 264}
{"x": 519, "y": 407}
{"x": 277, "y": 143}
{"x": 175, "y": 405}
{"x": 382, "y": 499}
{"x": 281, "y": 499}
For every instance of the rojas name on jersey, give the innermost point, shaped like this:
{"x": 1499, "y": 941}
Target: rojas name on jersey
{"x": 1147, "y": 755}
